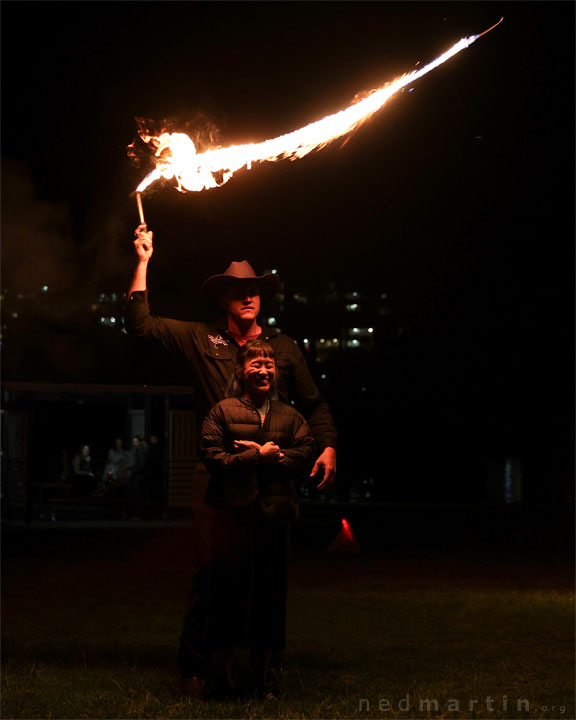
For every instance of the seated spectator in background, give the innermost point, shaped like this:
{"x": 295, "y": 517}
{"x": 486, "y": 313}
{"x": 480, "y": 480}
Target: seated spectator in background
{"x": 84, "y": 478}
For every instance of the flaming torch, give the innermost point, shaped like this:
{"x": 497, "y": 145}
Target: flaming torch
{"x": 176, "y": 156}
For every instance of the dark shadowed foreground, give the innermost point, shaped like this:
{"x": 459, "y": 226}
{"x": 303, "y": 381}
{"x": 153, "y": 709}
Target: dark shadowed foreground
{"x": 444, "y": 612}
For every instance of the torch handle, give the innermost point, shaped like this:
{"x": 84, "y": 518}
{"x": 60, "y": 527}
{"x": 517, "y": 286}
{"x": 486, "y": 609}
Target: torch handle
{"x": 140, "y": 209}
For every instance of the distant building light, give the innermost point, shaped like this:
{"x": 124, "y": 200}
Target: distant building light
{"x": 112, "y": 319}
{"x": 355, "y": 342}
{"x": 272, "y": 321}
{"x": 355, "y": 330}
{"x": 14, "y": 314}
{"x": 306, "y": 341}
{"x": 323, "y": 376}
{"x": 384, "y": 296}
{"x": 273, "y": 272}
{"x": 335, "y": 341}
{"x": 354, "y": 294}
{"x": 352, "y": 307}
{"x": 45, "y": 288}
{"x": 363, "y": 389}
{"x": 321, "y": 340}
{"x": 370, "y": 330}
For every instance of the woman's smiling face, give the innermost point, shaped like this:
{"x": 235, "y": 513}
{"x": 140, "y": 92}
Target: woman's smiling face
{"x": 259, "y": 375}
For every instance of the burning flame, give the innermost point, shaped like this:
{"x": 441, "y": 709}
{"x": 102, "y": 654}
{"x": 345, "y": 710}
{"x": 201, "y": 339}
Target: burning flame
{"x": 177, "y": 157}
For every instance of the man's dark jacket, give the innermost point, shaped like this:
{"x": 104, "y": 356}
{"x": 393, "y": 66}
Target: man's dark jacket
{"x": 211, "y": 352}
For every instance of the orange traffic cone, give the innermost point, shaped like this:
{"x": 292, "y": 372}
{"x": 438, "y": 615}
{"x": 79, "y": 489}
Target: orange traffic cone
{"x": 345, "y": 541}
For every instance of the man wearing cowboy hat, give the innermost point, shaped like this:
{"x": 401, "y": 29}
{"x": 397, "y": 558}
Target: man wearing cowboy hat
{"x": 211, "y": 349}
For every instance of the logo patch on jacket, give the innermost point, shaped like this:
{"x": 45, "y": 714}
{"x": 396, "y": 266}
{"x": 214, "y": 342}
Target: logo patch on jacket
{"x": 217, "y": 340}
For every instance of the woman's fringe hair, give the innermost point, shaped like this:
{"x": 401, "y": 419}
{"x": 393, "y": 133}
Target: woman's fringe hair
{"x": 252, "y": 349}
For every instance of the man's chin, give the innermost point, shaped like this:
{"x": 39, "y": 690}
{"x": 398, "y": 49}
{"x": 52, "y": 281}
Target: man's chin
{"x": 247, "y": 315}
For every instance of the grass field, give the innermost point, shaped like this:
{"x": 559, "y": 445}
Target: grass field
{"x": 91, "y": 623}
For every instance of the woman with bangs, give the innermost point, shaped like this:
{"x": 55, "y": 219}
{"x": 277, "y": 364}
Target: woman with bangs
{"x": 254, "y": 448}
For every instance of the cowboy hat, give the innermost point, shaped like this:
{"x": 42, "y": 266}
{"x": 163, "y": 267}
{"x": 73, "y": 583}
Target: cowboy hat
{"x": 240, "y": 270}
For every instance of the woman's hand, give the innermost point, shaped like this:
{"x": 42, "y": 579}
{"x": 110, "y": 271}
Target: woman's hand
{"x": 270, "y": 453}
{"x": 248, "y": 444}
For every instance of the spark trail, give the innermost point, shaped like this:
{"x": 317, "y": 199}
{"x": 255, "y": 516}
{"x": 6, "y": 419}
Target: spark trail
{"x": 176, "y": 156}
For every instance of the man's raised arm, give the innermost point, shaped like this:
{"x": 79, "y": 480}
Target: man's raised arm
{"x": 172, "y": 334}
{"x": 144, "y": 249}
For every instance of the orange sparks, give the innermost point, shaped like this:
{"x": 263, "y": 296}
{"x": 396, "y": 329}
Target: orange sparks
{"x": 177, "y": 159}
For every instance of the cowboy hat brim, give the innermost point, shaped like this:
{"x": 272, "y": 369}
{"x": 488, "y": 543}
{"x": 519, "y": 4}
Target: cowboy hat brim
{"x": 267, "y": 283}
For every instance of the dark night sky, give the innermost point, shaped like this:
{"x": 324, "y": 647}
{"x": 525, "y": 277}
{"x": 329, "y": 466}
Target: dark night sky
{"x": 457, "y": 198}
{"x": 471, "y": 171}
